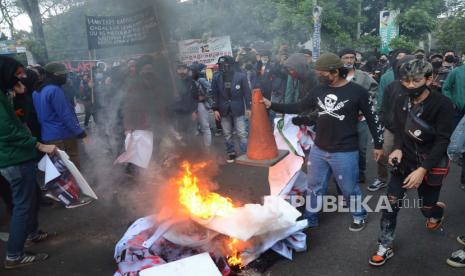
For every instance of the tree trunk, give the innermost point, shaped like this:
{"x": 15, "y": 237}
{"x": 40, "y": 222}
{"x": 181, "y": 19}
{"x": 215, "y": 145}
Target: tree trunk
{"x": 32, "y": 9}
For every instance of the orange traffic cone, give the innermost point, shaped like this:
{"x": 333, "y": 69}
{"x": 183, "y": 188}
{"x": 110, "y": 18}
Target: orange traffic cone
{"x": 261, "y": 142}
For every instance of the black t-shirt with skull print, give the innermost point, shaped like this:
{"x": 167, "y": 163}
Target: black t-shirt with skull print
{"x": 338, "y": 111}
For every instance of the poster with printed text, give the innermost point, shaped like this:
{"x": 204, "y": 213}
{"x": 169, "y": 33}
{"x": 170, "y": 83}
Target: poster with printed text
{"x": 204, "y": 51}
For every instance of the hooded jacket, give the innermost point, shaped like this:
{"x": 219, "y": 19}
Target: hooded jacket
{"x": 16, "y": 143}
{"x": 55, "y": 113}
{"x": 389, "y": 76}
{"x": 306, "y": 80}
{"x": 8, "y": 68}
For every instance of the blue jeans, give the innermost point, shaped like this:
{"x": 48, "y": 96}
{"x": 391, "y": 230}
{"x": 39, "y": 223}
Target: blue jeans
{"x": 344, "y": 166}
{"x": 22, "y": 181}
{"x": 204, "y": 121}
{"x": 362, "y": 131}
{"x": 239, "y": 123}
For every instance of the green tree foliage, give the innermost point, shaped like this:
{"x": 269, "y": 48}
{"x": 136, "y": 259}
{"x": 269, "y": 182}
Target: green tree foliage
{"x": 403, "y": 42}
{"x": 273, "y": 21}
{"x": 451, "y": 31}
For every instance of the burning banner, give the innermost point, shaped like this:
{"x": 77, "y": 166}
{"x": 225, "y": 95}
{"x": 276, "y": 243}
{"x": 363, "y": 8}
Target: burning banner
{"x": 207, "y": 222}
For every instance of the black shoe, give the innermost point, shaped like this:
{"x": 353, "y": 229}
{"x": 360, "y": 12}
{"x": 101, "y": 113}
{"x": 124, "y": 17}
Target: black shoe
{"x": 231, "y": 158}
{"x": 381, "y": 256}
{"x": 457, "y": 259}
{"x": 357, "y": 225}
{"x": 26, "y": 259}
{"x": 377, "y": 184}
{"x": 40, "y": 236}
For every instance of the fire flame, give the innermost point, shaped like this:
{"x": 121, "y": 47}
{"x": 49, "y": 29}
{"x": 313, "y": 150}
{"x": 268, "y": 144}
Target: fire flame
{"x": 200, "y": 202}
{"x": 204, "y": 204}
{"x": 234, "y": 259}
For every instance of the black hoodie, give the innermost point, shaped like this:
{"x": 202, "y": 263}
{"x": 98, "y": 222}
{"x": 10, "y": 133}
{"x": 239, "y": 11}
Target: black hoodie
{"x": 8, "y": 67}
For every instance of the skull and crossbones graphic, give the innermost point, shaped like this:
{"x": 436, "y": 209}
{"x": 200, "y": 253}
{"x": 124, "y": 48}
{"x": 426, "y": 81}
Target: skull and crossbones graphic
{"x": 330, "y": 105}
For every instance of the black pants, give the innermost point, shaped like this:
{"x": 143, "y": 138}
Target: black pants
{"x": 5, "y": 194}
{"x": 91, "y": 110}
{"x": 428, "y": 197}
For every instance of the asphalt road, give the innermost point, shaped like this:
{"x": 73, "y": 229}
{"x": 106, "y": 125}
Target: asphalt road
{"x": 86, "y": 236}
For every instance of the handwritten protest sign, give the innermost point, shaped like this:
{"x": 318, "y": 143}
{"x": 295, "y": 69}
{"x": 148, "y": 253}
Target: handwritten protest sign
{"x": 112, "y": 31}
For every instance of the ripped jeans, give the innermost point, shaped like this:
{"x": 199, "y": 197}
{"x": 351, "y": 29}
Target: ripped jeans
{"x": 344, "y": 166}
{"x": 428, "y": 197}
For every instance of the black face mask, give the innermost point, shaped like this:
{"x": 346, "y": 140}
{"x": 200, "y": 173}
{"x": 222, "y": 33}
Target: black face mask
{"x": 324, "y": 80}
{"x": 248, "y": 67}
{"x": 415, "y": 92}
{"x": 383, "y": 61}
{"x": 436, "y": 64}
{"x": 450, "y": 59}
{"x": 60, "y": 79}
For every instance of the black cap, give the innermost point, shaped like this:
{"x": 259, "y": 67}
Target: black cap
{"x": 347, "y": 51}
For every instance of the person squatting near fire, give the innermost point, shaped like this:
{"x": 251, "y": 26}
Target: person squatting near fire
{"x": 231, "y": 104}
{"x": 338, "y": 103}
{"x": 18, "y": 167}
{"x": 422, "y": 126}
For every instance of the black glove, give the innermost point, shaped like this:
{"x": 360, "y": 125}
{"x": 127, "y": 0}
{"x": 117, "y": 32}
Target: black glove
{"x": 303, "y": 120}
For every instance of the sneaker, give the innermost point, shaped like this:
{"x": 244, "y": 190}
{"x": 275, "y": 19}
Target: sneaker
{"x": 461, "y": 240}
{"x": 357, "y": 225}
{"x": 40, "y": 236}
{"x": 457, "y": 259}
{"x": 26, "y": 259}
{"x": 434, "y": 223}
{"x": 377, "y": 184}
{"x": 382, "y": 255}
{"x": 218, "y": 133}
{"x": 52, "y": 197}
{"x": 231, "y": 158}
{"x": 78, "y": 203}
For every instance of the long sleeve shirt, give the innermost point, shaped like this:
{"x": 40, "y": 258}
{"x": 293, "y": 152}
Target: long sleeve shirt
{"x": 338, "y": 110}
{"x": 437, "y": 112}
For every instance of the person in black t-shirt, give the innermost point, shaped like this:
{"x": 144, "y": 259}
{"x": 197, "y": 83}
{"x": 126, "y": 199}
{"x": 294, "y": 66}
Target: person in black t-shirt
{"x": 338, "y": 103}
{"x": 422, "y": 126}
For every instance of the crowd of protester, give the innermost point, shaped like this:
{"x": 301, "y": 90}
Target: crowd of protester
{"x": 342, "y": 97}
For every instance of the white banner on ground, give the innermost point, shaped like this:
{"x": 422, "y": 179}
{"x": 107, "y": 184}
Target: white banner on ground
{"x": 204, "y": 51}
{"x": 254, "y": 219}
{"x": 201, "y": 264}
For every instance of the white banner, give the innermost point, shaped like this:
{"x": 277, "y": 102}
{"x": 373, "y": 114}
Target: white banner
{"x": 204, "y": 51}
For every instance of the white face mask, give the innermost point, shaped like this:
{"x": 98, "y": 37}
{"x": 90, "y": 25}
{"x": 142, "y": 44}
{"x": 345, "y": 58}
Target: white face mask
{"x": 349, "y": 66}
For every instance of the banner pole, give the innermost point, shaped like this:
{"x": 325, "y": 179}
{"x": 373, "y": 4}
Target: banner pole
{"x": 165, "y": 52}
{"x": 91, "y": 78}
